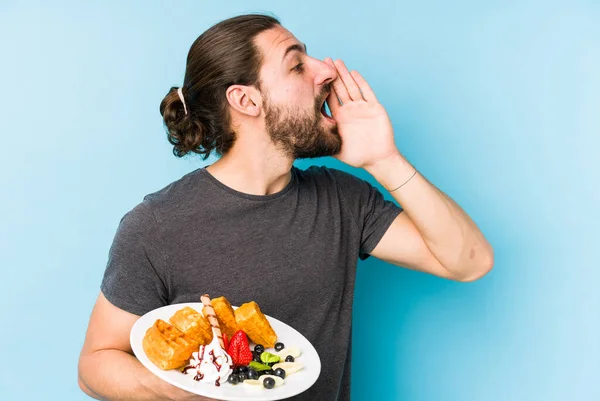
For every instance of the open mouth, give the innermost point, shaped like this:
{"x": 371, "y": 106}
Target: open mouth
{"x": 325, "y": 110}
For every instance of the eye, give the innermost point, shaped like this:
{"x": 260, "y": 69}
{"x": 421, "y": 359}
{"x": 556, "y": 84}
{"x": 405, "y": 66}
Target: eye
{"x": 299, "y": 68}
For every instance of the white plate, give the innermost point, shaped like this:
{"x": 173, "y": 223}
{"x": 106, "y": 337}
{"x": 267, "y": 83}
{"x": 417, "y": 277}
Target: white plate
{"x": 294, "y": 384}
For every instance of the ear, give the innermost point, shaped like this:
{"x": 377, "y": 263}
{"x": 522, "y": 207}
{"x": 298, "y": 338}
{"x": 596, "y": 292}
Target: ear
{"x": 244, "y": 99}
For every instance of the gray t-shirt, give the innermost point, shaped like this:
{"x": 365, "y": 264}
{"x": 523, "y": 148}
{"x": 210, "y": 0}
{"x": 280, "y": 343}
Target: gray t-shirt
{"x": 293, "y": 252}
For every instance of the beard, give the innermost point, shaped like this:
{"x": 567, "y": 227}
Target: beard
{"x": 300, "y": 134}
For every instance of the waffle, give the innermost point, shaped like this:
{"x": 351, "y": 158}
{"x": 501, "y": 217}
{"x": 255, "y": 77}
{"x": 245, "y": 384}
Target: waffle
{"x": 225, "y": 316}
{"x": 250, "y": 319}
{"x": 167, "y": 347}
{"x": 193, "y": 325}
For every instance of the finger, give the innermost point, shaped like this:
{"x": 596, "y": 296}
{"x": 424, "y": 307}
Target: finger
{"x": 366, "y": 90}
{"x": 348, "y": 80}
{"x": 338, "y": 85}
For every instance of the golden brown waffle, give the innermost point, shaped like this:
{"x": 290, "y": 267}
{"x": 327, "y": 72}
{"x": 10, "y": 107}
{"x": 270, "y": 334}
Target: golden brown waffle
{"x": 193, "y": 325}
{"x": 167, "y": 347}
{"x": 225, "y": 316}
{"x": 250, "y": 319}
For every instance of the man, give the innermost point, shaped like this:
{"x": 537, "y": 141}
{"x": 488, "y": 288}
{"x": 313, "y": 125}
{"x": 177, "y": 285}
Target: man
{"x": 253, "y": 227}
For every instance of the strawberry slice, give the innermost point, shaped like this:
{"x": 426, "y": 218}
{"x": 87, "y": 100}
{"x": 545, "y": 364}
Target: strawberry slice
{"x": 239, "y": 349}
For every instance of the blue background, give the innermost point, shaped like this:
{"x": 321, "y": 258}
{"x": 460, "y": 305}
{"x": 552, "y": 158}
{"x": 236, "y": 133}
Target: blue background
{"x": 497, "y": 103}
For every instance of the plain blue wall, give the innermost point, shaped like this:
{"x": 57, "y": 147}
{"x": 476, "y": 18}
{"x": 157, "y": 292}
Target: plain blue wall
{"x": 497, "y": 103}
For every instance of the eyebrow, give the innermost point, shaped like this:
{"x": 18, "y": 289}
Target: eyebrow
{"x": 294, "y": 47}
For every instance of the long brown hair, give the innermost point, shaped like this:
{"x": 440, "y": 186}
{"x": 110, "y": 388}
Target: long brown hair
{"x": 222, "y": 56}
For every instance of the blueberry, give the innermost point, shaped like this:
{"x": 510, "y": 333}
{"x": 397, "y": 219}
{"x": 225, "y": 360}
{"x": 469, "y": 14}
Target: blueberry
{"x": 243, "y": 376}
{"x": 253, "y": 374}
{"x": 289, "y": 358}
{"x": 280, "y": 372}
{"x": 279, "y": 346}
{"x": 269, "y": 382}
{"x": 240, "y": 369}
{"x": 269, "y": 372}
{"x": 259, "y": 348}
{"x": 256, "y": 357}
{"x": 233, "y": 379}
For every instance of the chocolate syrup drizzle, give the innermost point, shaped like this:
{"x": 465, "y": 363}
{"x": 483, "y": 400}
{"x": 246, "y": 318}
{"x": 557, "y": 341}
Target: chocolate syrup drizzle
{"x": 200, "y": 376}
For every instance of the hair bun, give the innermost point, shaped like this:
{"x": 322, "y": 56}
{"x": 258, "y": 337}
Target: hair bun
{"x": 184, "y": 132}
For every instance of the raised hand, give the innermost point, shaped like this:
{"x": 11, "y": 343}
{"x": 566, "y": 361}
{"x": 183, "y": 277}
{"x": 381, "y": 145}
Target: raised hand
{"x": 364, "y": 125}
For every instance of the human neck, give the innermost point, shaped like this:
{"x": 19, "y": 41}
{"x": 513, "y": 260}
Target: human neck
{"x": 253, "y": 166}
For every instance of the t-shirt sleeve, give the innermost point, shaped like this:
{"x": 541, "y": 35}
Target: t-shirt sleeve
{"x": 373, "y": 213}
{"x": 134, "y": 279}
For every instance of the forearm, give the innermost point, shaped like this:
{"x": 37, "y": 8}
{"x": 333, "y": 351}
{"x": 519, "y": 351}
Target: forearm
{"x": 116, "y": 375}
{"x": 450, "y": 234}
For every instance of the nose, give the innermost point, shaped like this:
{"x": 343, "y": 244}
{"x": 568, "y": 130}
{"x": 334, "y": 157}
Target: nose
{"x": 325, "y": 73}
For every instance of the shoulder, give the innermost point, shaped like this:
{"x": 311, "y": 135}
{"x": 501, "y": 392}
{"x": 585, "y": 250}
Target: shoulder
{"x": 172, "y": 198}
{"x": 176, "y": 191}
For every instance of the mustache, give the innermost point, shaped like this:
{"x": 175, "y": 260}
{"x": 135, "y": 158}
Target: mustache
{"x": 325, "y": 91}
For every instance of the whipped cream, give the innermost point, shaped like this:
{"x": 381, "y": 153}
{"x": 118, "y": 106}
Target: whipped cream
{"x": 210, "y": 364}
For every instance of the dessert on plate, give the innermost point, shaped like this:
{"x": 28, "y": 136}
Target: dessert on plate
{"x": 251, "y": 320}
{"x": 167, "y": 347}
{"x": 211, "y": 363}
{"x": 193, "y": 324}
{"x": 225, "y": 316}
{"x": 213, "y": 346}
